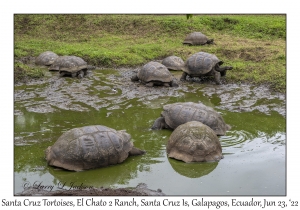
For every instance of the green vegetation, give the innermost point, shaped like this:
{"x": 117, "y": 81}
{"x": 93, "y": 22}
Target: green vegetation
{"x": 255, "y": 45}
{"x": 23, "y": 71}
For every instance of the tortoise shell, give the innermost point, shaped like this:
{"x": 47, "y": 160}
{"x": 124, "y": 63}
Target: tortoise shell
{"x": 154, "y": 71}
{"x": 46, "y": 58}
{"x": 69, "y": 64}
{"x": 194, "y": 142}
{"x": 179, "y": 113}
{"x": 196, "y": 38}
{"x": 200, "y": 64}
{"x": 89, "y": 147}
{"x": 173, "y": 62}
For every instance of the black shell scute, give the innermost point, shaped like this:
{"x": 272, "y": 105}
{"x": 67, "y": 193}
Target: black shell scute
{"x": 200, "y": 63}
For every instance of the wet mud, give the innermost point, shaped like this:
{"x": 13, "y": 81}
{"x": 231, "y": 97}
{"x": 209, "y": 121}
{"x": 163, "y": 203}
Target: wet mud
{"x": 113, "y": 89}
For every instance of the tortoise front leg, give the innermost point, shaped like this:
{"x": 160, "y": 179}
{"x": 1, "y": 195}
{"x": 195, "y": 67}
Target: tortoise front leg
{"x": 80, "y": 75}
{"x": 217, "y": 77}
{"x": 61, "y": 74}
{"x": 223, "y": 73}
{"x": 174, "y": 83}
{"x": 183, "y": 77}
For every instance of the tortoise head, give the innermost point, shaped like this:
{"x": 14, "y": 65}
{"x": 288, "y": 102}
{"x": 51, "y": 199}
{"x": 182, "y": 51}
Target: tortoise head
{"x": 134, "y": 78}
{"x": 210, "y": 41}
{"x": 136, "y": 151}
{"x": 48, "y": 154}
{"x": 159, "y": 124}
{"x": 184, "y": 67}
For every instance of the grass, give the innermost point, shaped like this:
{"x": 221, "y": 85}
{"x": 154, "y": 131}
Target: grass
{"x": 255, "y": 45}
{"x": 24, "y": 72}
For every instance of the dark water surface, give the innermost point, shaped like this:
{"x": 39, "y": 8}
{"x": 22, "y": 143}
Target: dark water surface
{"x": 254, "y": 149}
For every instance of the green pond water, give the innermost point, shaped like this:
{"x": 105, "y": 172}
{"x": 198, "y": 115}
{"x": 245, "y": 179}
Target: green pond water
{"x": 254, "y": 149}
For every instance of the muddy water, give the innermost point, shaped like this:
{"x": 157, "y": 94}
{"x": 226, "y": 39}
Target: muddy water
{"x": 254, "y": 149}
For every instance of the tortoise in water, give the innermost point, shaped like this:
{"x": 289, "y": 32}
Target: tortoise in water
{"x": 173, "y": 62}
{"x": 70, "y": 65}
{"x": 204, "y": 64}
{"x": 155, "y": 73}
{"x": 176, "y": 114}
{"x": 46, "y": 58}
{"x": 194, "y": 142}
{"x": 90, "y": 147}
{"x": 197, "y": 38}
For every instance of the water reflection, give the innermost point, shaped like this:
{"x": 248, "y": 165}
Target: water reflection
{"x": 106, "y": 176}
{"x": 192, "y": 170}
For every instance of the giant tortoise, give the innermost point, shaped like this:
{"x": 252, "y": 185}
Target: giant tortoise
{"x": 179, "y": 113}
{"x": 197, "y": 38}
{"x": 155, "y": 73}
{"x": 204, "y": 64}
{"x": 173, "y": 62}
{"x": 194, "y": 142}
{"x": 90, "y": 147}
{"x": 70, "y": 65}
{"x": 46, "y": 58}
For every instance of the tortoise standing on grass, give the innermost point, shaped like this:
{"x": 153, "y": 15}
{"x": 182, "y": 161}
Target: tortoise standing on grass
{"x": 194, "y": 142}
{"x": 70, "y": 66}
{"x": 197, "y": 38}
{"x": 91, "y": 147}
{"x": 173, "y": 63}
{"x": 46, "y": 58}
{"x": 204, "y": 64}
{"x": 176, "y": 114}
{"x": 155, "y": 73}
